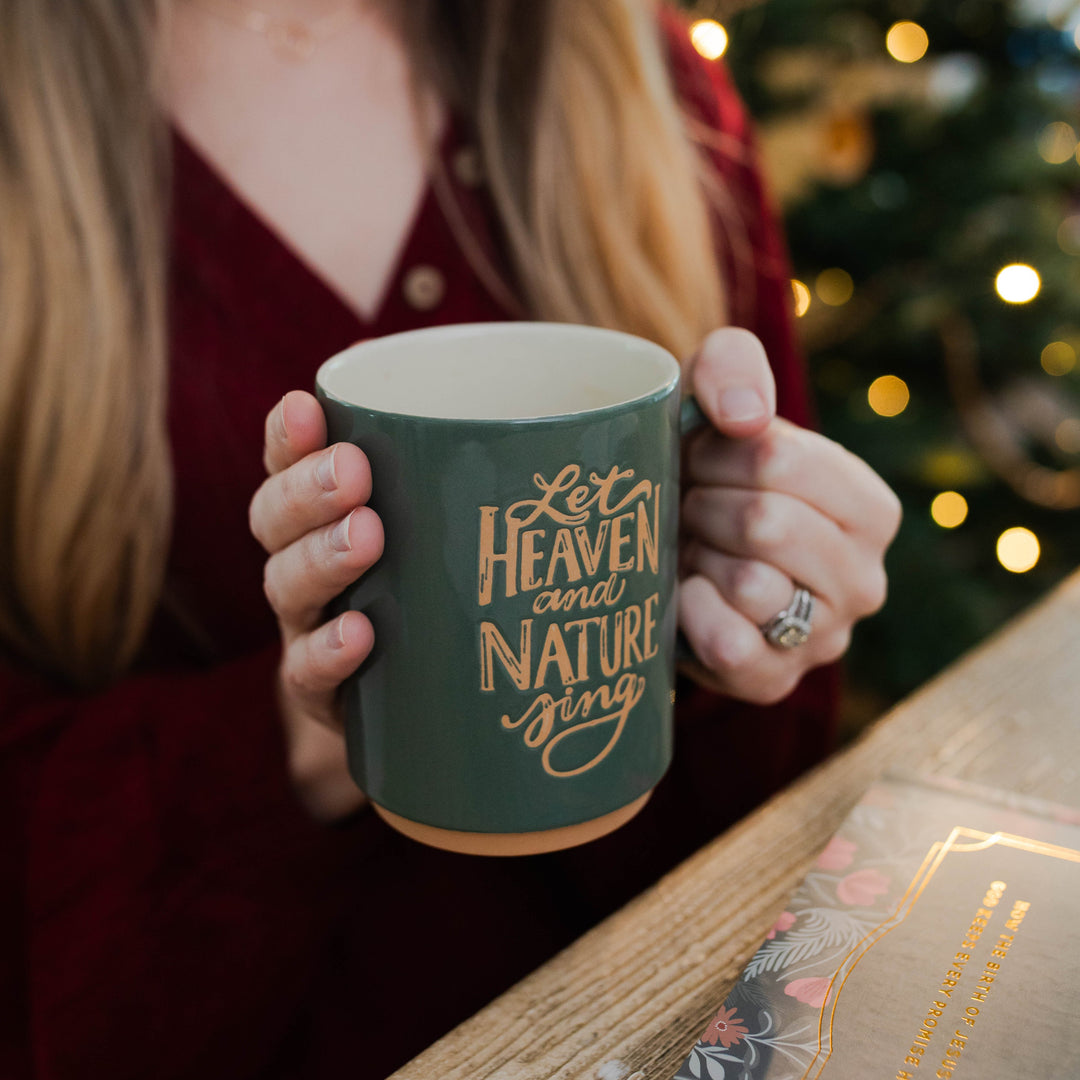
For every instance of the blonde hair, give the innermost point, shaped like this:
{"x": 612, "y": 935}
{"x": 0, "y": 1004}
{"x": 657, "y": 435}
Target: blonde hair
{"x": 597, "y": 186}
{"x": 84, "y": 462}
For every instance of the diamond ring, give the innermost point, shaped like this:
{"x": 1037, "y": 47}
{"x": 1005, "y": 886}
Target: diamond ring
{"x": 791, "y": 627}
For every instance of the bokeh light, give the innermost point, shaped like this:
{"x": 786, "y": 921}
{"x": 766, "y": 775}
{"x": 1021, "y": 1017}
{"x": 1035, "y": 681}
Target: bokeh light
{"x": 888, "y": 395}
{"x": 1068, "y": 235}
{"x": 1017, "y": 283}
{"x": 1018, "y": 549}
{"x": 802, "y": 297}
{"x": 834, "y": 286}
{"x": 1067, "y": 435}
{"x": 907, "y": 42}
{"x": 1057, "y": 143}
{"x": 949, "y": 509}
{"x": 952, "y": 466}
{"x": 1058, "y": 358}
{"x": 709, "y": 38}
{"x": 954, "y": 79}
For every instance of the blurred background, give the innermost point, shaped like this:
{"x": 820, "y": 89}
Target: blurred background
{"x": 925, "y": 158}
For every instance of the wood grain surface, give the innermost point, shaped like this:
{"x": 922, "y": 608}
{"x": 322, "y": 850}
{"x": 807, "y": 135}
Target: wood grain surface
{"x": 631, "y": 997}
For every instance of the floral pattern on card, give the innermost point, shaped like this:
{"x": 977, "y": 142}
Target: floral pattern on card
{"x": 770, "y": 1024}
{"x": 847, "y": 893}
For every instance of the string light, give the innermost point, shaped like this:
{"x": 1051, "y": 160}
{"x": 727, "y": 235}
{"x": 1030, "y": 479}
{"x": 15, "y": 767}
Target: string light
{"x": 1018, "y": 549}
{"x": 907, "y": 42}
{"x": 834, "y": 286}
{"x": 802, "y": 297}
{"x": 949, "y": 509}
{"x": 1057, "y": 143}
{"x": 1058, "y": 358}
{"x": 1017, "y": 283}
{"x": 709, "y": 38}
{"x": 888, "y": 395}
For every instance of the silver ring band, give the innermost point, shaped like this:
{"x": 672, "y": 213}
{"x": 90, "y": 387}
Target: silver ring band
{"x": 790, "y": 628}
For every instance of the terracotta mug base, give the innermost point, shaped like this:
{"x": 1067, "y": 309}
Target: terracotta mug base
{"x": 520, "y": 843}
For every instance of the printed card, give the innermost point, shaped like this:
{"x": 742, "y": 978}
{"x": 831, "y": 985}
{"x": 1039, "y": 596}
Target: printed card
{"x": 937, "y": 936}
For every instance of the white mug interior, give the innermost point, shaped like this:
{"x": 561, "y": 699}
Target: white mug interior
{"x": 498, "y": 371}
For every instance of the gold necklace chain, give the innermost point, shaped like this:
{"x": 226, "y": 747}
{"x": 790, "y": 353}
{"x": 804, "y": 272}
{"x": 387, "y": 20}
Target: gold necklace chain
{"x": 291, "y": 39}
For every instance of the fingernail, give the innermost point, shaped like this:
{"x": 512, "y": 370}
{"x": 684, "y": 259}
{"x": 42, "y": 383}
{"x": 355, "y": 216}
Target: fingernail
{"x": 740, "y": 403}
{"x": 339, "y": 537}
{"x": 281, "y": 418}
{"x": 326, "y": 471}
{"x": 338, "y": 638}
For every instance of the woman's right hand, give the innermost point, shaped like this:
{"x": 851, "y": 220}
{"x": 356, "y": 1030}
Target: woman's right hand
{"x": 310, "y": 515}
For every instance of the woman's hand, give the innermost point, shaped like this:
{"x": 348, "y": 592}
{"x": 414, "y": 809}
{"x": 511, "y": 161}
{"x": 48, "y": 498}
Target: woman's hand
{"x": 767, "y": 505}
{"x": 310, "y": 516}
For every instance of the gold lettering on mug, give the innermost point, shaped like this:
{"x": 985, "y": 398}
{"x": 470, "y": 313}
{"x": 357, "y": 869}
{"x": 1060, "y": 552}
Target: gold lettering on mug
{"x": 617, "y": 702}
{"x": 518, "y": 665}
{"x": 489, "y": 557}
{"x": 574, "y": 547}
{"x": 522, "y": 548}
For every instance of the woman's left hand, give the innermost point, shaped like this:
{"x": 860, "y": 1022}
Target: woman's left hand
{"x": 768, "y": 506}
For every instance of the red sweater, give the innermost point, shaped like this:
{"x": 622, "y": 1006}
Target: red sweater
{"x": 167, "y": 910}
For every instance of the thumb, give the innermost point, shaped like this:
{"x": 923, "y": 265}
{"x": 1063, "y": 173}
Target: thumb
{"x": 731, "y": 379}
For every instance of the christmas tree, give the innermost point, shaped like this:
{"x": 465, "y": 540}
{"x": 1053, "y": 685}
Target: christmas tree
{"x": 925, "y": 158}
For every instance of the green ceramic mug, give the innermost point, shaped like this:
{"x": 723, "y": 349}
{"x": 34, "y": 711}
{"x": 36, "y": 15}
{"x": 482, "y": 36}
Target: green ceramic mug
{"x": 519, "y": 695}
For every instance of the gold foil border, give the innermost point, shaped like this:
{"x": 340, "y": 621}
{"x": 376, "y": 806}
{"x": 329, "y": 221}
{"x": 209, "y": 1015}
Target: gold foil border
{"x": 935, "y": 856}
